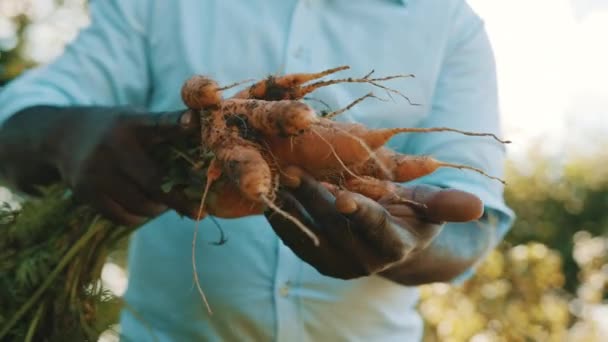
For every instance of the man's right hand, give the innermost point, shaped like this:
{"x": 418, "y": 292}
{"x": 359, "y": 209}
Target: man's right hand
{"x": 103, "y": 154}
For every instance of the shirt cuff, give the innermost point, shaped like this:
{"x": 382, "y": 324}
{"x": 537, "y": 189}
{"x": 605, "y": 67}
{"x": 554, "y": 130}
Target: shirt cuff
{"x": 498, "y": 217}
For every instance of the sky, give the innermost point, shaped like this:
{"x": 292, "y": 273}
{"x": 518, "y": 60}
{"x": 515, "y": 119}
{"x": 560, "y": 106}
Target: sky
{"x": 552, "y": 64}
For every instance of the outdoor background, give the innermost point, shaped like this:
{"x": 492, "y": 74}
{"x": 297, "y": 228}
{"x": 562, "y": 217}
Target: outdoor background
{"x": 549, "y": 280}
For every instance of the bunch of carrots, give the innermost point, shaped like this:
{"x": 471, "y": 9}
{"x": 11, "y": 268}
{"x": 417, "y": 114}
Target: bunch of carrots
{"x": 259, "y": 139}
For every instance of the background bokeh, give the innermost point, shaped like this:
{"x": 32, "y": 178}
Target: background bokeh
{"x": 549, "y": 280}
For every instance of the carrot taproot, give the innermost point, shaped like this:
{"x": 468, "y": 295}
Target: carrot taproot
{"x": 200, "y": 92}
{"x": 245, "y": 165}
{"x": 370, "y": 187}
{"x": 282, "y": 118}
{"x": 226, "y": 200}
{"x": 330, "y": 147}
{"x": 294, "y": 87}
{"x": 378, "y": 189}
{"x": 285, "y": 87}
{"x": 390, "y": 165}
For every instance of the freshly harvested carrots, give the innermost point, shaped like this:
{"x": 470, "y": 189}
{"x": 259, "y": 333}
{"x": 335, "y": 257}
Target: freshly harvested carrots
{"x": 256, "y": 138}
{"x": 340, "y": 146}
{"x": 294, "y": 87}
{"x": 265, "y": 128}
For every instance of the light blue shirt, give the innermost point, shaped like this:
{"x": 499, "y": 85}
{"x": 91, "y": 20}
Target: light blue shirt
{"x": 139, "y": 52}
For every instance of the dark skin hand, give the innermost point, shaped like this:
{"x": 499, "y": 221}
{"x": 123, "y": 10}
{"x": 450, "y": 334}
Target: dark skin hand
{"x": 103, "y": 154}
{"x": 407, "y": 244}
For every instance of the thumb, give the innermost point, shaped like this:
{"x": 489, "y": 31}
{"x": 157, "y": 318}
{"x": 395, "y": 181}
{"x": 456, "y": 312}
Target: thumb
{"x": 439, "y": 204}
{"x": 447, "y": 205}
{"x": 167, "y": 126}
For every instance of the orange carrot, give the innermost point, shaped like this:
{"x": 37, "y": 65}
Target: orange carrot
{"x": 284, "y": 87}
{"x": 370, "y": 187}
{"x": 331, "y": 147}
{"x": 200, "y": 92}
{"x": 264, "y": 128}
{"x": 226, "y": 200}
{"x": 397, "y": 167}
{"x": 283, "y": 118}
{"x": 244, "y": 165}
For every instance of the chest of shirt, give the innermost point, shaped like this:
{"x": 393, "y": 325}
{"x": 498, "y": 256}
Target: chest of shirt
{"x": 232, "y": 40}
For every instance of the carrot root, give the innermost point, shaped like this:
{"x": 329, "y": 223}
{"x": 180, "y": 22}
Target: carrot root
{"x": 333, "y": 114}
{"x": 282, "y": 87}
{"x": 313, "y": 237}
{"x": 282, "y": 118}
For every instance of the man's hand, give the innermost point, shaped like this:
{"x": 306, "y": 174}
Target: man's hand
{"x": 103, "y": 154}
{"x": 368, "y": 237}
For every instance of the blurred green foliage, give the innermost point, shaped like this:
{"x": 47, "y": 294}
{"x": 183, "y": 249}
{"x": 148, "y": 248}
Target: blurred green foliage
{"x": 549, "y": 280}
{"x": 12, "y": 61}
{"x": 554, "y": 201}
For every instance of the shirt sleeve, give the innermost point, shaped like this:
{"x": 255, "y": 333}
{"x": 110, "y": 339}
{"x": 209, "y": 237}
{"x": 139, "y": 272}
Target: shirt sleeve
{"x": 104, "y": 65}
{"x": 466, "y": 98}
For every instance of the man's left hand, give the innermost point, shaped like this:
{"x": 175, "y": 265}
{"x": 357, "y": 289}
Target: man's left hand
{"x": 367, "y": 237}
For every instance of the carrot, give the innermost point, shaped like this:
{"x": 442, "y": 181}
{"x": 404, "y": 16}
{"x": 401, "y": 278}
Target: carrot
{"x": 282, "y": 118}
{"x": 330, "y": 147}
{"x": 226, "y": 200}
{"x": 285, "y": 87}
{"x": 200, "y": 92}
{"x": 264, "y": 128}
{"x": 446, "y": 205}
{"x": 370, "y": 187}
{"x": 294, "y": 87}
{"x": 397, "y": 167}
{"x": 244, "y": 165}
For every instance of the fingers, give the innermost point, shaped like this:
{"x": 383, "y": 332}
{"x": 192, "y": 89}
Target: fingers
{"x": 289, "y": 231}
{"x": 292, "y": 236}
{"x": 134, "y": 162}
{"x": 130, "y": 197}
{"x": 165, "y": 127}
{"x": 114, "y": 194}
{"x": 325, "y": 257}
{"x": 450, "y": 205}
{"x": 106, "y": 206}
{"x": 374, "y": 224}
{"x": 356, "y": 236}
{"x": 441, "y": 205}
{"x": 319, "y": 203}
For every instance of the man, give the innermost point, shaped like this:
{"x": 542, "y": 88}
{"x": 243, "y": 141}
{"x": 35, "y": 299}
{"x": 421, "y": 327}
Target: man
{"x": 73, "y": 120}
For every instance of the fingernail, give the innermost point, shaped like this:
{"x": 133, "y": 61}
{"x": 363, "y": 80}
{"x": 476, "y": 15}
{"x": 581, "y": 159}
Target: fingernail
{"x": 186, "y": 118}
{"x": 345, "y": 203}
{"x": 291, "y": 177}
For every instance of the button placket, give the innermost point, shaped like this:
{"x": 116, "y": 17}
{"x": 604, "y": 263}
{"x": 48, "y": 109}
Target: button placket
{"x": 297, "y": 59}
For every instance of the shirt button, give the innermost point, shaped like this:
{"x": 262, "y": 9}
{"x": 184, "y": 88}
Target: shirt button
{"x": 284, "y": 290}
